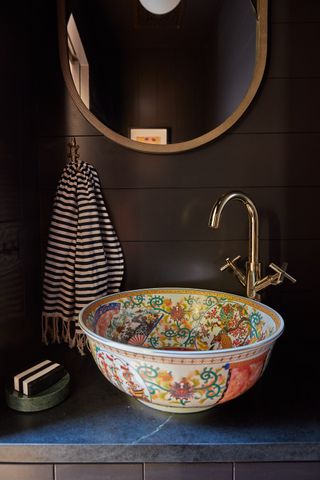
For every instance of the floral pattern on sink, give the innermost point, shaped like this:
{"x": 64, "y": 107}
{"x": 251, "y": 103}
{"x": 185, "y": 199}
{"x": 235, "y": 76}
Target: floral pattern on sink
{"x": 155, "y": 383}
{"x": 180, "y": 386}
{"x": 180, "y": 322}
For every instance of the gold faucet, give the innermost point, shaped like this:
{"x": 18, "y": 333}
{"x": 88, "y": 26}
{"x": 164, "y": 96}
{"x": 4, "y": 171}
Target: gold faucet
{"x": 251, "y": 279}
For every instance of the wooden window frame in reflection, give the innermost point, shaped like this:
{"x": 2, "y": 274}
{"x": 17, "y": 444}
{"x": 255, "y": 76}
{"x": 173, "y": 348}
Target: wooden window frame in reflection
{"x": 152, "y": 136}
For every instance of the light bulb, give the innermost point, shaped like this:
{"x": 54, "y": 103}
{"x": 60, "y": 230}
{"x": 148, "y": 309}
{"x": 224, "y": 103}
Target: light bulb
{"x": 159, "y": 7}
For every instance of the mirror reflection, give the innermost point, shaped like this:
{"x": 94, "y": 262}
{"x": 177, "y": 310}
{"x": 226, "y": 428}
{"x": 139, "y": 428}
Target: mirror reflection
{"x": 162, "y": 78}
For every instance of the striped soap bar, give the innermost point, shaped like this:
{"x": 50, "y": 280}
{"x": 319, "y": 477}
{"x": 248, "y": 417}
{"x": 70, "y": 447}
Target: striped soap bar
{"x": 38, "y": 377}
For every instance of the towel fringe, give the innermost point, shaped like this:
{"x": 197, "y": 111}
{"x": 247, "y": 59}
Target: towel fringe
{"x": 45, "y": 329}
{"x": 56, "y": 329}
{"x": 81, "y": 342}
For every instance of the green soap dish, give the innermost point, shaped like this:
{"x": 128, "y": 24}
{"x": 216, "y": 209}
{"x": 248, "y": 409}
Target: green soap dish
{"x": 41, "y": 401}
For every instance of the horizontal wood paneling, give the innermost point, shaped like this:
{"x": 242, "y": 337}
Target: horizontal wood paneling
{"x": 19, "y": 220}
{"x": 9, "y": 204}
{"x": 283, "y": 105}
{"x": 160, "y": 204}
{"x": 294, "y": 50}
{"x": 64, "y": 118}
{"x": 11, "y": 289}
{"x": 232, "y": 161}
{"x": 294, "y": 11}
{"x": 196, "y": 264}
{"x": 183, "y": 213}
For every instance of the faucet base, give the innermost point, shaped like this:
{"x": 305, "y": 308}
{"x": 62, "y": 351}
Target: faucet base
{"x": 253, "y": 273}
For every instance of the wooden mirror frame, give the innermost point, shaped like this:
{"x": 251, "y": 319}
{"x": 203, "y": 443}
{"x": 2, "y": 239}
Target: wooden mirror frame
{"x": 261, "y": 56}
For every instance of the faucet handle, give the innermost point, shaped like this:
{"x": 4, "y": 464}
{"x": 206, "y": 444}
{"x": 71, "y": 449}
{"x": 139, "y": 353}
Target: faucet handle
{"x": 230, "y": 263}
{"x": 282, "y": 272}
{"x": 235, "y": 269}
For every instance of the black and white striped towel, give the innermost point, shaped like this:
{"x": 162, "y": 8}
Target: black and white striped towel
{"x": 84, "y": 259}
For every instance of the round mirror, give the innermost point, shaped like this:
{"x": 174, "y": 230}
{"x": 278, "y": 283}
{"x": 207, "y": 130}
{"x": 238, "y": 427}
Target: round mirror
{"x": 162, "y": 83}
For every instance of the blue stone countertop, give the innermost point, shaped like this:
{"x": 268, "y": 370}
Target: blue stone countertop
{"x": 277, "y": 420}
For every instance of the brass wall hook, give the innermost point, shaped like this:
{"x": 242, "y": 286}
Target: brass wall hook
{"x": 73, "y": 153}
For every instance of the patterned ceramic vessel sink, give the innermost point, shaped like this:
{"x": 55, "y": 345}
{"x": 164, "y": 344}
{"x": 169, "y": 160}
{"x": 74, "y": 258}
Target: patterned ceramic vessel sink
{"x": 179, "y": 349}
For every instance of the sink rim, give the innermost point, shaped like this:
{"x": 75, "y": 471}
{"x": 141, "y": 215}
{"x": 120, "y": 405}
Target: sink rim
{"x": 183, "y": 353}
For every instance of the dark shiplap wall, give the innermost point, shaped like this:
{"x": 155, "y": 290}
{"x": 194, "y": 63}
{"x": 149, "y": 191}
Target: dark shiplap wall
{"x": 160, "y": 204}
{"x": 19, "y": 206}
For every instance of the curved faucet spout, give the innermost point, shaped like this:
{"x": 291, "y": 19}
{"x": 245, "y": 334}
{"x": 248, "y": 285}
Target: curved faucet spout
{"x": 215, "y": 215}
{"x": 251, "y": 278}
